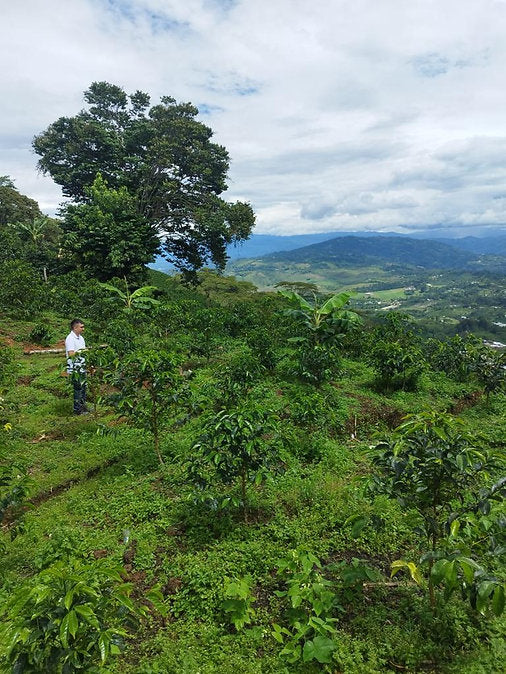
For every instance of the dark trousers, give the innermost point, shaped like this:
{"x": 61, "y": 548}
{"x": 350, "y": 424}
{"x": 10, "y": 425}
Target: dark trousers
{"x": 79, "y": 384}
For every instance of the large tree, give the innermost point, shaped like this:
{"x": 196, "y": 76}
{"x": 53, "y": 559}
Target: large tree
{"x": 163, "y": 156}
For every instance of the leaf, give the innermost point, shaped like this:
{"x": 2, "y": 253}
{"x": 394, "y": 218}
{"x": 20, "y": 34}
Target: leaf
{"x": 73, "y": 623}
{"x": 87, "y": 613}
{"x": 335, "y": 302}
{"x": 104, "y": 646}
{"x": 484, "y": 591}
{"x": 454, "y": 528}
{"x": 319, "y": 649}
{"x": 64, "y": 631}
{"x": 498, "y": 600}
{"x": 410, "y": 566}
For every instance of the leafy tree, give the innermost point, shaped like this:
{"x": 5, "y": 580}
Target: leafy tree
{"x": 107, "y": 236}
{"x": 21, "y": 289}
{"x": 163, "y": 156}
{"x": 395, "y": 353}
{"x": 236, "y": 446}
{"x": 41, "y": 239}
{"x": 15, "y": 207}
{"x": 456, "y": 356}
{"x": 148, "y": 382}
{"x": 490, "y": 370}
{"x": 306, "y": 290}
{"x": 431, "y": 467}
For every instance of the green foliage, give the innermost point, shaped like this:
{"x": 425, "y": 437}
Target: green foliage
{"x": 7, "y": 366}
{"x": 41, "y": 334}
{"x": 148, "y": 381}
{"x": 137, "y": 299}
{"x": 163, "y": 171}
{"x": 22, "y": 292}
{"x": 397, "y": 366}
{"x": 490, "y": 370}
{"x": 238, "y": 604}
{"x": 431, "y": 466}
{"x": 15, "y": 488}
{"x": 322, "y": 329}
{"x": 456, "y": 356}
{"x": 15, "y": 207}
{"x": 237, "y": 444}
{"x": 71, "y": 616}
{"x": 311, "y": 604}
{"x": 106, "y": 236}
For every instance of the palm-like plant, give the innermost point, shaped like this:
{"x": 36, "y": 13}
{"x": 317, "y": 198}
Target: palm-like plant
{"x": 138, "y": 299}
{"x": 322, "y": 329}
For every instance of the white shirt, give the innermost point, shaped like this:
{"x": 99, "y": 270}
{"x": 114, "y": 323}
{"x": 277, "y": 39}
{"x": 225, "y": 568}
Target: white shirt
{"x": 74, "y": 343}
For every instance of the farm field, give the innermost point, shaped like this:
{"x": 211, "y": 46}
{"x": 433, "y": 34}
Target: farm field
{"x": 212, "y": 564}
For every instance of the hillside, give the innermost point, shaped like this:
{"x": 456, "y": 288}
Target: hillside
{"x": 265, "y": 489}
{"x": 358, "y": 251}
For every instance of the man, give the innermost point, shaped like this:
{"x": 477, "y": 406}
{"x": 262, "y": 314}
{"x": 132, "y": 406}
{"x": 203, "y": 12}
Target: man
{"x": 74, "y": 344}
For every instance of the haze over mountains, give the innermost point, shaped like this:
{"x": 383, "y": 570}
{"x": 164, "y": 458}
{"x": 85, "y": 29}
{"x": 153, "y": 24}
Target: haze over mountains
{"x": 428, "y": 249}
{"x": 259, "y": 245}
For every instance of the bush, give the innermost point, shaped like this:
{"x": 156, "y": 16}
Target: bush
{"x": 22, "y": 292}
{"x": 41, "y": 334}
{"x": 71, "y": 616}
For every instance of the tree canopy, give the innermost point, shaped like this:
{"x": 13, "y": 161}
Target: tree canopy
{"x": 107, "y": 236}
{"x": 163, "y": 157}
{"x": 15, "y": 207}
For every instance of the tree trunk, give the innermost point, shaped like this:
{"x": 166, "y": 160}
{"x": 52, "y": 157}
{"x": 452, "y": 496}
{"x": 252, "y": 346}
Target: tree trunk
{"x": 243, "y": 492}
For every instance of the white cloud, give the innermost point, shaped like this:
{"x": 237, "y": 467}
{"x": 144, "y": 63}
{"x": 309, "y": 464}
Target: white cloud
{"x": 337, "y": 115}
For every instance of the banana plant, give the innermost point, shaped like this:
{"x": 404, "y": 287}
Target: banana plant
{"x": 138, "y": 299}
{"x": 321, "y": 327}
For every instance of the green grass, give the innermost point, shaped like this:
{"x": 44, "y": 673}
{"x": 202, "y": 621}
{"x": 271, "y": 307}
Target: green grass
{"x": 103, "y": 494}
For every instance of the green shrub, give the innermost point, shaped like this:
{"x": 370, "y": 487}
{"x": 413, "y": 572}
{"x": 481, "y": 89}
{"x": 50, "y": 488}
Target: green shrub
{"x": 41, "y": 334}
{"x": 69, "y": 617}
{"x": 22, "y": 292}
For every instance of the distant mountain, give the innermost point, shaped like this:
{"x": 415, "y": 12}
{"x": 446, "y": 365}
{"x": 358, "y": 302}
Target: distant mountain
{"x": 261, "y": 245}
{"x": 490, "y": 245}
{"x": 359, "y": 251}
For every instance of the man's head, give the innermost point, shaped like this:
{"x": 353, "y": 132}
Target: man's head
{"x": 77, "y": 326}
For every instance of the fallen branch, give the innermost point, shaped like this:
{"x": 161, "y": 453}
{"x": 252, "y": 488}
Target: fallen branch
{"x": 37, "y": 351}
{"x": 31, "y": 352}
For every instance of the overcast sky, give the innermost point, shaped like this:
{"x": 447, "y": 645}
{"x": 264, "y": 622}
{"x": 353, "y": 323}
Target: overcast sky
{"x": 337, "y": 114}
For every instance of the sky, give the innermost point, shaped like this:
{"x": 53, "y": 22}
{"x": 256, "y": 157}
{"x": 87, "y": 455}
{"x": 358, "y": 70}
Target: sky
{"x": 338, "y": 115}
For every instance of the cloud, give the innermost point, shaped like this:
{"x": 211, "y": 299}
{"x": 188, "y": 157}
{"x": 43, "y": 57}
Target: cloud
{"x": 337, "y": 115}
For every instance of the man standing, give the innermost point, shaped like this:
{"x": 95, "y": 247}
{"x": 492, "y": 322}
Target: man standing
{"x": 74, "y": 344}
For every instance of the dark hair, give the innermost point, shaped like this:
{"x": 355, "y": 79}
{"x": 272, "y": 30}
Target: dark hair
{"x": 76, "y": 321}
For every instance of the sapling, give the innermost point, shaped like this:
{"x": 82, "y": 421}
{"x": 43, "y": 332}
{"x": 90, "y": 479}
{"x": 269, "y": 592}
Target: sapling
{"x": 432, "y": 467}
{"x": 148, "y": 382}
{"x": 237, "y": 445}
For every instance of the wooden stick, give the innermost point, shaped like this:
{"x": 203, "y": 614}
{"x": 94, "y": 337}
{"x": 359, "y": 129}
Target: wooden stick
{"x": 29, "y": 353}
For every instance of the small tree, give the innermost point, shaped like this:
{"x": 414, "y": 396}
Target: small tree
{"x": 236, "y": 445}
{"x": 322, "y": 328}
{"x": 148, "y": 381}
{"x": 490, "y": 370}
{"x": 431, "y": 467}
{"x": 395, "y": 353}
